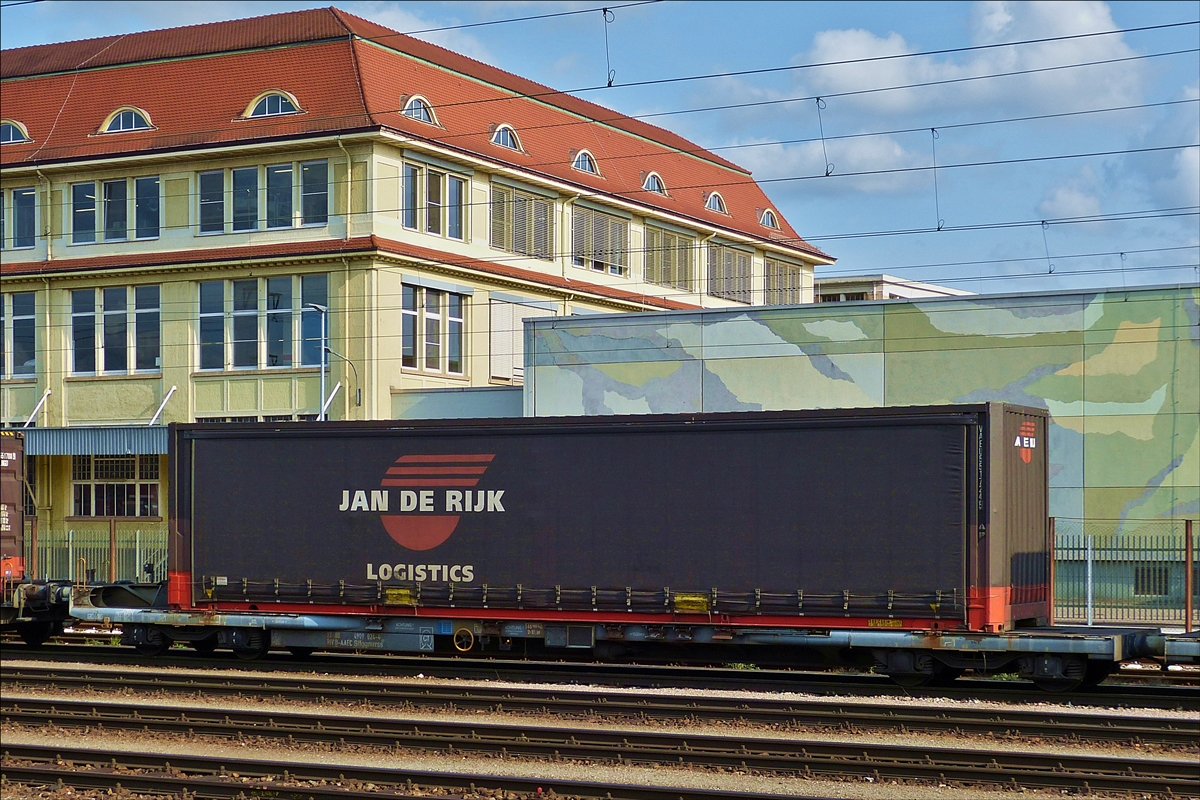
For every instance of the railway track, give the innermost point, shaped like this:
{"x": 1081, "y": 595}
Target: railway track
{"x": 591, "y": 704}
{"x": 237, "y": 778}
{"x": 549, "y": 743}
{"x": 1183, "y": 696}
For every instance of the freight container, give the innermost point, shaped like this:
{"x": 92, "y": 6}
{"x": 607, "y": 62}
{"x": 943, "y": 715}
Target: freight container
{"x": 930, "y": 518}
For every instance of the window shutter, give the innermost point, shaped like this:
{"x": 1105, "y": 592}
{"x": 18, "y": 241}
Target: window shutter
{"x": 500, "y": 232}
{"x": 684, "y": 276}
{"x": 618, "y": 233}
{"x": 501, "y": 340}
{"x": 542, "y": 229}
{"x": 743, "y": 277}
{"x": 654, "y": 257}
{"x": 581, "y": 226}
{"x": 520, "y": 225}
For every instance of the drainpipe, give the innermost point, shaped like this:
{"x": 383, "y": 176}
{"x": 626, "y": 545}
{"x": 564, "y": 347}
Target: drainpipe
{"x": 47, "y": 215}
{"x": 349, "y": 184}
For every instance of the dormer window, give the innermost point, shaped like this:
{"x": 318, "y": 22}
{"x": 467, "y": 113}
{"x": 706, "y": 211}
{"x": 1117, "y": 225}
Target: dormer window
{"x": 13, "y": 132}
{"x": 272, "y": 104}
{"x": 716, "y": 203}
{"x": 505, "y": 136}
{"x": 417, "y": 108}
{"x": 655, "y": 184}
{"x": 127, "y": 119}
{"x": 585, "y": 163}
{"x": 769, "y": 219}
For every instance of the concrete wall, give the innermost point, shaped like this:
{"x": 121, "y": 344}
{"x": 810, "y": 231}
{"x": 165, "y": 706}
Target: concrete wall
{"x": 1119, "y": 372}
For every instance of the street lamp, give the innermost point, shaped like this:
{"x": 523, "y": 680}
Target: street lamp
{"x": 324, "y": 310}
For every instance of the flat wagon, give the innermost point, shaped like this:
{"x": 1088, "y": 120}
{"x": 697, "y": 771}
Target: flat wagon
{"x": 912, "y": 539}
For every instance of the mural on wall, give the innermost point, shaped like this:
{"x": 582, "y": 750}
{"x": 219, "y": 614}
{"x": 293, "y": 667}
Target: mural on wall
{"x": 1119, "y": 372}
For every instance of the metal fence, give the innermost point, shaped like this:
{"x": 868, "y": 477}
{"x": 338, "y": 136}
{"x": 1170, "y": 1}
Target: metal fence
{"x": 1106, "y": 571}
{"x": 84, "y": 554}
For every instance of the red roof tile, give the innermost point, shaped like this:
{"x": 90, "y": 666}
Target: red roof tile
{"x": 362, "y": 245}
{"x": 332, "y": 75}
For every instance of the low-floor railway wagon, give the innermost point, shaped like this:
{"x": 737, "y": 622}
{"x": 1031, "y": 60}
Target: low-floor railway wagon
{"x": 913, "y": 539}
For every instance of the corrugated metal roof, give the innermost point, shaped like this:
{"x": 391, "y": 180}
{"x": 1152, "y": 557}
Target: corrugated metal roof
{"x": 108, "y": 441}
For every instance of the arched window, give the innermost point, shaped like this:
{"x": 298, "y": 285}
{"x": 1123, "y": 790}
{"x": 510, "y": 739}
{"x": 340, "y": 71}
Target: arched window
{"x": 12, "y": 132}
{"x": 505, "y": 136}
{"x": 585, "y": 163}
{"x": 715, "y": 203}
{"x": 127, "y": 119}
{"x": 655, "y": 184}
{"x": 272, "y": 104}
{"x": 769, "y": 219}
{"x": 417, "y": 108}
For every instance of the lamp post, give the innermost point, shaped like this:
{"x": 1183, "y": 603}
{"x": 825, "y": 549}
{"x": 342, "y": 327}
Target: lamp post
{"x": 324, "y": 310}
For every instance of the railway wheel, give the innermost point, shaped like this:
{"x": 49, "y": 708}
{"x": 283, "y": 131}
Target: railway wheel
{"x": 154, "y": 643}
{"x": 206, "y": 646}
{"x": 249, "y": 644}
{"x": 301, "y": 652}
{"x": 35, "y": 634}
{"x": 1071, "y": 673}
{"x": 1096, "y": 672}
{"x": 464, "y": 640}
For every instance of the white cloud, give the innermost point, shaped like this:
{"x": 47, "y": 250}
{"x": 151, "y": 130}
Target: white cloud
{"x": 1058, "y": 90}
{"x": 846, "y": 156}
{"x": 1069, "y": 201}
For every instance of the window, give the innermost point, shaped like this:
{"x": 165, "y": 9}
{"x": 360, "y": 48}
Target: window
{"x": 18, "y": 352}
{"x": 279, "y": 322}
{"x": 83, "y": 331}
{"x": 145, "y": 207}
{"x": 13, "y": 132}
{"x": 522, "y": 223}
{"x": 669, "y": 259}
{"x": 83, "y": 213}
{"x": 456, "y": 194}
{"x": 115, "y": 486}
{"x": 728, "y": 273}
{"x": 410, "y": 205}
{"x": 127, "y": 119}
{"x": 245, "y": 199}
{"x": 279, "y": 196}
{"x": 101, "y": 324}
{"x": 1151, "y": 580}
{"x": 654, "y": 183}
{"x": 769, "y": 219}
{"x": 433, "y": 202}
{"x": 782, "y": 283}
{"x": 212, "y": 201}
{"x": 272, "y": 105}
{"x": 261, "y": 335}
{"x": 505, "y": 136}
{"x": 245, "y": 324}
{"x": 314, "y": 193}
{"x": 599, "y": 241}
{"x": 585, "y": 163}
{"x": 416, "y": 108}
{"x": 116, "y": 210}
{"x": 843, "y": 297}
{"x": 431, "y": 330}
{"x": 715, "y": 202}
{"x": 24, "y": 227}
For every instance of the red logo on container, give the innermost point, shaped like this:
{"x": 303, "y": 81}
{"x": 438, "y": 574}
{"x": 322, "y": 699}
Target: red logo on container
{"x": 419, "y": 530}
{"x": 1026, "y": 440}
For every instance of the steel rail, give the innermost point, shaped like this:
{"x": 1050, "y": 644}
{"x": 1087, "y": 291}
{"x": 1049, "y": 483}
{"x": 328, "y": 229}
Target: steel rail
{"x": 821, "y": 714}
{"x": 810, "y": 758}
{"x": 199, "y": 776}
{"x": 1182, "y": 697}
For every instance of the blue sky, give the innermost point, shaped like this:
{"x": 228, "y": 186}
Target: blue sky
{"x": 780, "y": 140}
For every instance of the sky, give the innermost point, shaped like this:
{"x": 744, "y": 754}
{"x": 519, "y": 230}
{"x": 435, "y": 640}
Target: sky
{"x": 969, "y": 224}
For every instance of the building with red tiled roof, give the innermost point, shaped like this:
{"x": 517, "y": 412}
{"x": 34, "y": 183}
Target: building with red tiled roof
{"x": 183, "y": 208}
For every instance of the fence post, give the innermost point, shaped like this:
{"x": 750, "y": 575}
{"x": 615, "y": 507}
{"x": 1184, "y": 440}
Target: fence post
{"x": 1050, "y": 584}
{"x": 1090, "y": 555}
{"x": 112, "y": 550}
{"x": 1189, "y": 587}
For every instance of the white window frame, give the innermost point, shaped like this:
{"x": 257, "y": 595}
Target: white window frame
{"x": 419, "y": 101}
{"x": 414, "y": 324}
{"x": 129, "y": 315}
{"x": 586, "y": 252}
{"x": 261, "y": 312}
{"x": 20, "y": 129}
{"x": 8, "y": 322}
{"x": 499, "y": 132}
{"x": 716, "y": 203}
{"x": 651, "y": 178}
{"x": 588, "y": 162}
